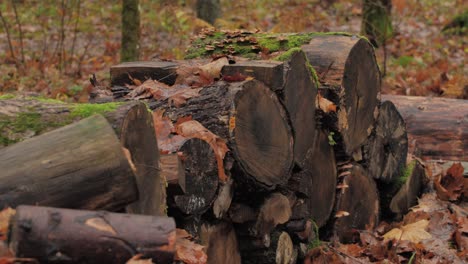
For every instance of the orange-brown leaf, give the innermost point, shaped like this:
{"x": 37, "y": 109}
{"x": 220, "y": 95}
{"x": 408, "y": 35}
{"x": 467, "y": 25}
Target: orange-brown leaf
{"x": 450, "y": 187}
{"x": 5, "y": 216}
{"x": 167, "y": 141}
{"x": 325, "y": 105}
{"x": 188, "y": 251}
{"x": 193, "y": 129}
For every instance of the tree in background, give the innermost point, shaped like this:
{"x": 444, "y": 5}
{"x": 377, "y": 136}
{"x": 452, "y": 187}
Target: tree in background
{"x": 130, "y": 30}
{"x": 377, "y": 23}
{"x": 208, "y": 10}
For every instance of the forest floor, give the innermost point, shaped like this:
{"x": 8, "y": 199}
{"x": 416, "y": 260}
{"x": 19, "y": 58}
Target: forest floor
{"x": 63, "y": 44}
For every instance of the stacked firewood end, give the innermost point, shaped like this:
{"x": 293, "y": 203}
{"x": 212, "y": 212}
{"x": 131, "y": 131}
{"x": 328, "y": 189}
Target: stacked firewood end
{"x": 264, "y": 158}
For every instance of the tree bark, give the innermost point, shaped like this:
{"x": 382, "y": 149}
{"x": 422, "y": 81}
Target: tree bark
{"x": 130, "y": 31}
{"x": 350, "y": 78}
{"x": 208, "y": 10}
{"x": 437, "y": 127}
{"x": 132, "y": 122}
{"x": 81, "y": 165}
{"x": 53, "y": 235}
{"x": 385, "y": 153}
{"x": 252, "y": 121}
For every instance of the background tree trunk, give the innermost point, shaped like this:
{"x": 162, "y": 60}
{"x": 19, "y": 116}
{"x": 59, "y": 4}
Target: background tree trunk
{"x": 130, "y": 30}
{"x": 376, "y": 20}
{"x": 208, "y": 10}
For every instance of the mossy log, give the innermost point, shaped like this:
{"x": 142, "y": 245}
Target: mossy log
{"x": 350, "y": 78}
{"x": 132, "y": 123}
{"x": 385, "y": 152}
{"x": 357, "y": 203}
{"x": 437, "y": 127}
{"x": 53, "y": 235}
{"x": 255, "y": 125}
{"x": 81, "y": 165}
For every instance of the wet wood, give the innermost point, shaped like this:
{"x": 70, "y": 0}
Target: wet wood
{"x": 254, "y": 124}
{"x": 131, "y": 122}
{"x": 437, "y": 127}
{"x": 221, "y": 243}
{"x": 81, "y": 165}
{"x": 357, "y": 203}
{"x": 349, "y": 77}
{"x": 174, "y": 173}
{"x": 53, "y": 235}
{"x": 385, "y": 152}
{"x": 162, "y": 71}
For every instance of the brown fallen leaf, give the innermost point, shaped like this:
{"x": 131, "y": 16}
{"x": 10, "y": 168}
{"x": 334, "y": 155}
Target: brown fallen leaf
{"x": 179, "y": 97}
{"x": 5, "y": 216}
{"x": 415, "y": 232}
{"x": 188, "y": 251}
{"x": 168, "y": 142}
{"x": 213, "y": 69}
{"x": 325, "y": 105}
{"x": 450, "y": 187}
{"x": 138, "y": 260}
{"x": 193, "y": 129}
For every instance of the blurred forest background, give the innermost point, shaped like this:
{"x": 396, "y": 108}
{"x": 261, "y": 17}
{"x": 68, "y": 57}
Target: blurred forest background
{"x": 51, "y": 47}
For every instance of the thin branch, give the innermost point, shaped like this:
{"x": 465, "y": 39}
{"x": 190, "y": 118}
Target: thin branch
{"x": 7, "y": 30}
{"x": 20, "y": 31}
{"x": 75, "y": 30}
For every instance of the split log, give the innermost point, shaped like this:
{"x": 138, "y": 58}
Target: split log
{"x": 123, "y": 73}
{"x": 385, "y": 152}
{"x": 437, "y": 127}
{"x": 349, "y": 77}
{"x": 357, "y": 203}
{"x": 297, "y": 90}
{"x": 81, "y": 165}
{"x": 173, "y": 172}
{"x": 53, "y": 235}
{"x": 252, "y": 121}
{"x": 279, "y": 250}
{"x": 221, "y": 244}
{"x": 132, "y": 123}
{"x": 315, "y": 184}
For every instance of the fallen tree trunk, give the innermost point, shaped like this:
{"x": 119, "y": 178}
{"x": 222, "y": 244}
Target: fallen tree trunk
{"x": 437, "y": 127}
{"x": 132, "y": 123}
{"x": 81, "y": 165}
{"x": 53, "y": 235}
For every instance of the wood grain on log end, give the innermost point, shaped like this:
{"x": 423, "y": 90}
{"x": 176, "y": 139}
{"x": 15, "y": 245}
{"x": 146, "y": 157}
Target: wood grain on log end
{"x": 221, "y": 243}
{"x": 349, "y": 77}
{"x": 386, "y": 150}
{"x": 357, "y": 205}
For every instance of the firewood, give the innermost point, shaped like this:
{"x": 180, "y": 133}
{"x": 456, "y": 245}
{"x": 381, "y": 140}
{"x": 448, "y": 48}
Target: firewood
{"x": 131, "y": 122}
{"x": 81, "y": 165}
{"x": 349, "y": 77}
{"x": 53, "y": 235}
{"x": 126, "y": 72}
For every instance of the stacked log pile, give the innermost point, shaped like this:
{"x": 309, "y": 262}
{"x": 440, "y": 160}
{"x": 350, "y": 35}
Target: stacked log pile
{"x": 256, "y": 158}
{"x": 301, "y": 146}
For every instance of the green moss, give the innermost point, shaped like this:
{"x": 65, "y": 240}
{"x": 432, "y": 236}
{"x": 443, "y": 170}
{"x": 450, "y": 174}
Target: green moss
{"x": 458, "y": 26}
{"x": 287, "y": 55}
{"x": 86, "y": 110}
{"x": 313, "y": 73}
{"x": 45, "y": 100}
{"x": 400, "y": 181}
{"x": 7, "y": 96}
{"x": 316, "y": 242}
{"x": 331, "y": 141}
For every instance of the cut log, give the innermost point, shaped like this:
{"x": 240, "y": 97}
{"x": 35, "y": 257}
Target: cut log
{"x": 316, "y": 183}
{"x": 173, "y": 172}
{"x": 81, "y": 165}
{"x": 252, "y": 121}
{"x": 385, "y": 152}
{"x": 407, "y": 196}
{"x": 132, "y": 122}
{"x": 437, "y": 127}
{"x": 201, "y": 174}
{"x": 220, "y": 242}
{"x": 53, "y": 235}
{"x": 357, "y": 204}
{"x": 280, "y": 250}
{"x": 123, "y": 73}
{"x": 350, "y": 78}
{"x": 275, "y": 210}
{"x": 269, "y": 72}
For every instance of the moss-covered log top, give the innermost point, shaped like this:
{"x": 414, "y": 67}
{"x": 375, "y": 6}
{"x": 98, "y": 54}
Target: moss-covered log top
{"x": 22, "y": 118}
{"x": 249, "y": 44}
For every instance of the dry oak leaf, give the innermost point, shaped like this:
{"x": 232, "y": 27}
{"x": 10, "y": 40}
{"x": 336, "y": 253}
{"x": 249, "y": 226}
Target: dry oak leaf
{"x": 5, "y": 216}
{"x": 188, "y": 251}
{"x": 450, "y": 186}
{"x": 213, "y": 69}
{"x": 138, "y": 260}
{"x": 415, "y": 232}
{"x": 193, "y": 129}
{"x": 167, "y": 141}
{"x": 325, "y": 105}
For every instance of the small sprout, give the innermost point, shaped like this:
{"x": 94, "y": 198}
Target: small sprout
{"x": 331, "y": 141}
